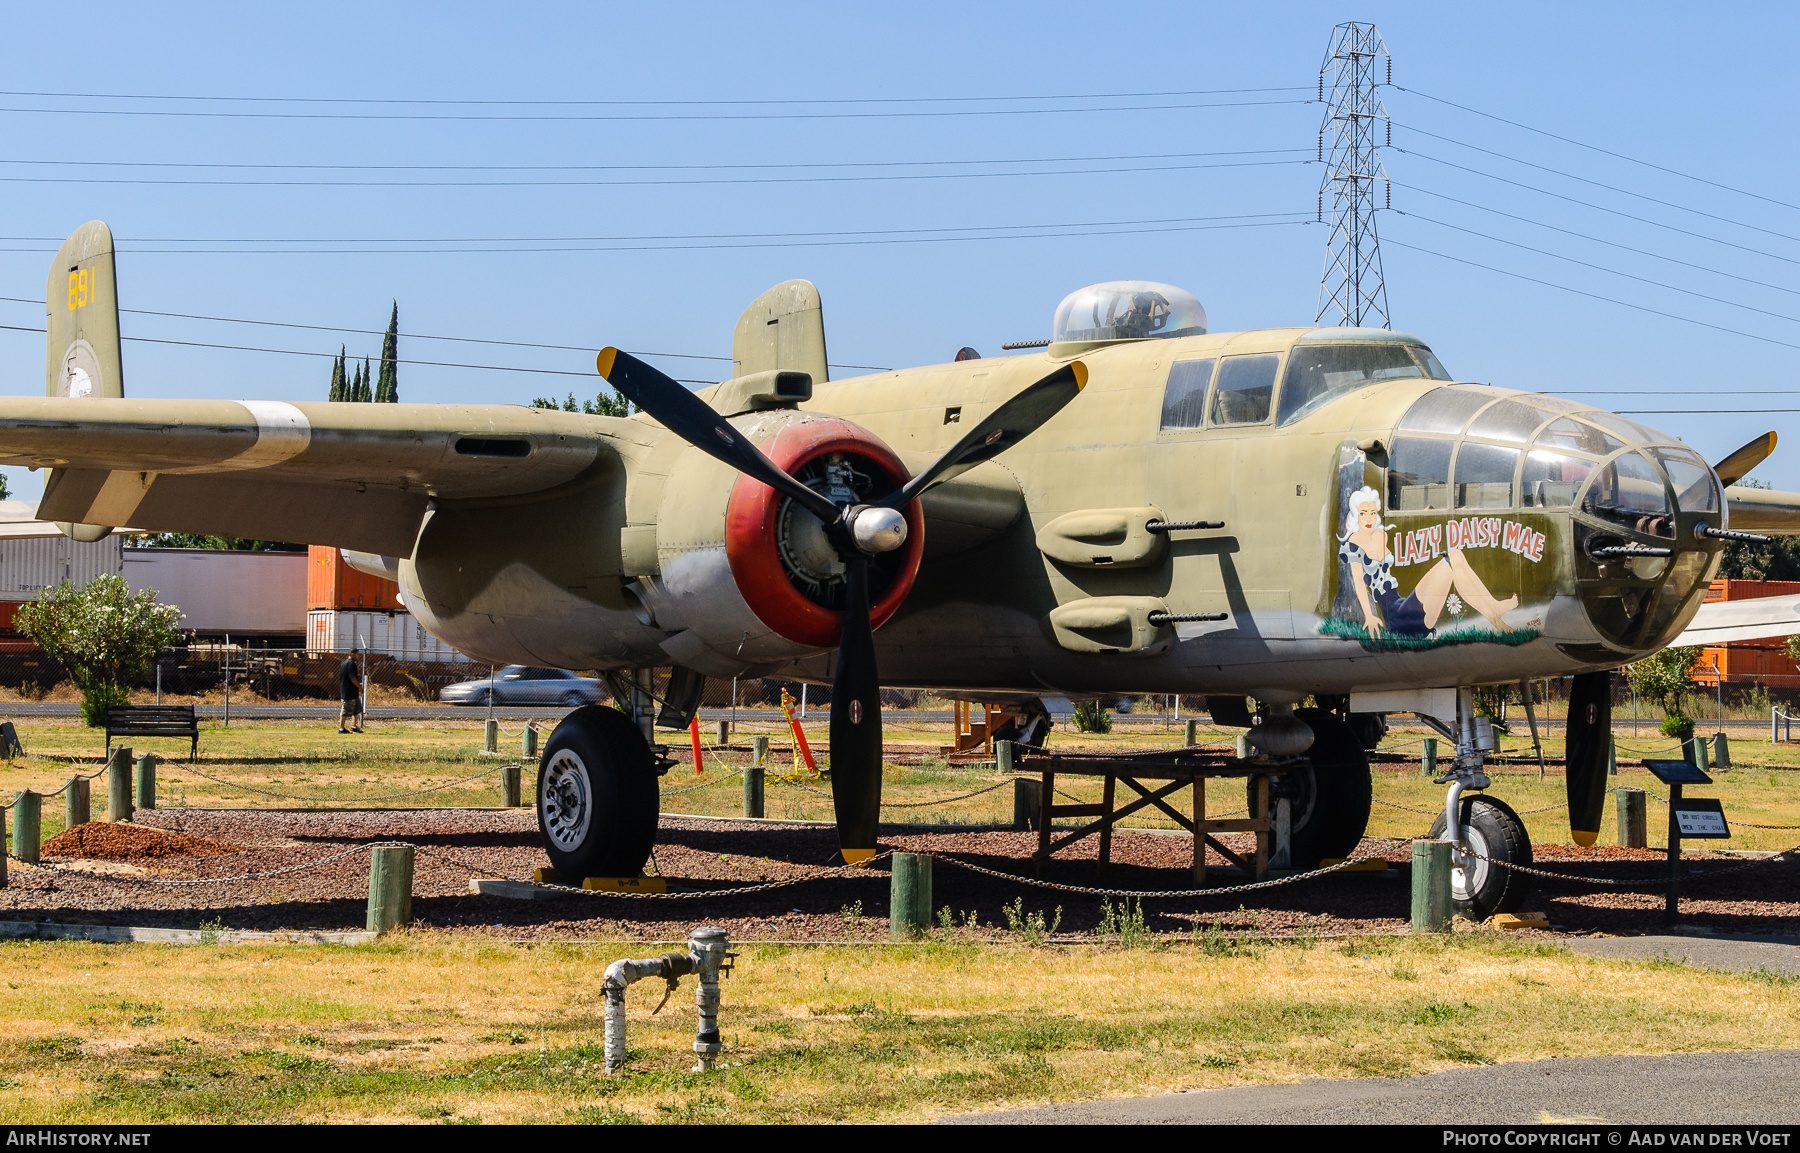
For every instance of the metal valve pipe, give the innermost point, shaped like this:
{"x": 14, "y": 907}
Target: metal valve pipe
{"x": 708, "y": 956}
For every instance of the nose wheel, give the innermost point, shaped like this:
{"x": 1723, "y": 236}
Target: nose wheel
{"x": 1492, "y": 837}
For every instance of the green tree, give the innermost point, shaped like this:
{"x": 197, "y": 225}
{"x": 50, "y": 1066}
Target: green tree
{"x": 337, "y": 377}
{"x": 1662, "y": 677}
{"x": 608, "y": 403}
{"x": 387, "y": 385}
{"x": 105, "y": 635}
{"x": 368, "y": 382}
{"x": 235, "y": 543}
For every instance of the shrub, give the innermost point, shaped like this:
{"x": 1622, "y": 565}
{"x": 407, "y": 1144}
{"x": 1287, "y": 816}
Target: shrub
{"x": 103, "y": 634}
{"x": 1092, "y": 717}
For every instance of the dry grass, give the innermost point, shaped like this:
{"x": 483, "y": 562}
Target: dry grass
{"x": 422, "y": 1027}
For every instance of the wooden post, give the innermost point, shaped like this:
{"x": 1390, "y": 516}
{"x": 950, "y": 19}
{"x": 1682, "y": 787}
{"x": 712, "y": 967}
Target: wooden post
{"x": 390, "y": 887}
{"x": 118, "y": 785}
{"x": 1631, "y": 806}
{"x": 1672, "y": 899}
{"x": 490, "y": 740}
{"x": 1428, "y": 766}
{"x": 509, "y": 785}
{"x": 1243, "y": 746}
{"x": 1193, "y": 732}
{"x": 909, "y": 896}
{"x": 1046, "y": 799}
{"x": 1199, "y": 836}
{"x": 1721, "y": 751}
{"x": 1025, "y": 803}
{"x": 76, "y": 808}
{"x": 529, "y": 741}
{"x": 1106, "y": 826}
{"x": 1430, "y": 886}
{"x": 759, "y": 749}
{"x": 1003, "y": 756}
{"x": 27, "y": 824}
{"x": 724, "y": 734}
{"x": 146, "y": 781}
{"x": 753, "y": 790}
{"x": 1612, "y": 757}
{"x": 1699, "y": 758}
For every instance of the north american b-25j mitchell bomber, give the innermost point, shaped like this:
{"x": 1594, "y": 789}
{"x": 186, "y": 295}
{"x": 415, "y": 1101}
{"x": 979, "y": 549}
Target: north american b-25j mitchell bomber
{"x": 1142, "y": 506}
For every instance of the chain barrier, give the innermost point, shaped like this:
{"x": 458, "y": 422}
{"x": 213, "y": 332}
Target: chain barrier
{"x": 314, "y": 797}
{"x": 1741, "y": 824}
{"x": 943, "y": 800}
{"x": 313, "y": 864}
{"x": 65, "y": 785}
{"x": 1158, "y": 894}
{"x": 701, "y": 785}
{"x": 1687, "y": 875}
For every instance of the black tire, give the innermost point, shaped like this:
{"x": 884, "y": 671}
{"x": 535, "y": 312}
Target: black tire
{"x": 597, "y": 796}
{"x": 1493, "y": 830}
{"x": 573, "y": 700}
{"x": 1329, "y": 792}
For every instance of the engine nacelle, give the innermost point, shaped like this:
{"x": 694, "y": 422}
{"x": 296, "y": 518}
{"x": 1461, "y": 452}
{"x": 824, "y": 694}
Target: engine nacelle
{"x": 748, "y": 578}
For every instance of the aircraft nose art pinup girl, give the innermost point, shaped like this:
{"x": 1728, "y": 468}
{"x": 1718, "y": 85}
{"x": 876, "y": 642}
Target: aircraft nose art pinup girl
{"x": 1364, "y": 548}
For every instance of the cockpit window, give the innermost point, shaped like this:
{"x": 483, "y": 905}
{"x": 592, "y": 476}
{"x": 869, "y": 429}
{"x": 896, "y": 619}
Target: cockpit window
{"x": 1445, "y": 410}
{"x": 1127, "y": 310}
{"x": 1184, "y": 400}
{"x": 1630, "y": 492}
{"x": 1508, "y": 420}
{"x": 1419, "y": 474}
{"x": 1246, "y": 386}
{"x": 1433, "y": 367}
{"x": 1572, "y": 434}
{"x": 1484, "y": 476}
{"x": 1695, "y": 488}
{"x": 1319, "y": 373}
{"x": 1631, "y": 430}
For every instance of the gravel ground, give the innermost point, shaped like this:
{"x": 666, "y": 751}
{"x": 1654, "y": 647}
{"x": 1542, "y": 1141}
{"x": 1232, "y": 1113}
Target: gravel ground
{"x": 105, "y": 879}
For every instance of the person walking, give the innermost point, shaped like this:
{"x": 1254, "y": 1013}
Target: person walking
{"x": 350, "y": 689}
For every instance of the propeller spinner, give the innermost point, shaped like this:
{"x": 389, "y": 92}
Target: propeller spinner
{"x": 857, "y": 533}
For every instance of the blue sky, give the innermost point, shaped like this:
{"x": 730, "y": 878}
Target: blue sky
{"x": 1710, "y": 98}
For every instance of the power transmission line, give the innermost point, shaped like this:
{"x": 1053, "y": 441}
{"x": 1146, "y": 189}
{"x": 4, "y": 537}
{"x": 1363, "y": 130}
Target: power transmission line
{"x": 185, "y": 113}
{"x": 644, "y": 103}
{"x": 1603, "y": 151}
{"x": 1594, "y": 295}
{"x": 1602, "y": 184}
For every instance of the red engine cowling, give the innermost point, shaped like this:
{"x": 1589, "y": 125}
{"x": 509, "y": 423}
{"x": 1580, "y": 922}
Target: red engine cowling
{"x": 778, "y": 556}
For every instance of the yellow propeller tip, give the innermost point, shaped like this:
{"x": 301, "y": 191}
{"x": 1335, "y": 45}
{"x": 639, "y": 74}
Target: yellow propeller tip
{"x": 1584, "y": 838}
{"x": 604, "y": 362}
{"x": 857, "y": 856}
{"x": 1081, "y": 374}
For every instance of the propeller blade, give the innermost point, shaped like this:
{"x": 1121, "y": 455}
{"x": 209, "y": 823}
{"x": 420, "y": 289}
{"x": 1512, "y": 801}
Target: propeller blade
{"x": 1589, "y": 729}
{"x": 694, "y": 421}
{"x": 1006, "y": 426}
{"x": 1738, "y": 465}
{"x": 856, "y": 723}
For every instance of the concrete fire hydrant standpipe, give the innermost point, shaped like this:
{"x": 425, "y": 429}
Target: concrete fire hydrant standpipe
{"x": 708, "y": 957}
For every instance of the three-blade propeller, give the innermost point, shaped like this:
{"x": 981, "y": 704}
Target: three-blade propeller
{"x": 857, "y": 532}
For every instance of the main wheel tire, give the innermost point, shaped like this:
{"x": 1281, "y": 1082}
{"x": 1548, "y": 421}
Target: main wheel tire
{"x": 1493, "y": 830}
{"x": 1329, "y": 792}
{"x": 597, "y": 799}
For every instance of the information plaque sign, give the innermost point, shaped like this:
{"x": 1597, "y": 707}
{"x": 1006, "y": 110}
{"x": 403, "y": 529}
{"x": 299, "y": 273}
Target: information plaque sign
{"x": 1677, "y": 773}
{"x": 1700, "y": 817}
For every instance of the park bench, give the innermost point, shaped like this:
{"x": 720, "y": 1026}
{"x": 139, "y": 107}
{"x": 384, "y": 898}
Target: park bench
{"x": 153, "y": 721}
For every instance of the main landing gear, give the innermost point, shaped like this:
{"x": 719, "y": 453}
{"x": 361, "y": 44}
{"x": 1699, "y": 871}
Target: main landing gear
{"x": 1326, "y": 793}
{"x": 597, "y": 796}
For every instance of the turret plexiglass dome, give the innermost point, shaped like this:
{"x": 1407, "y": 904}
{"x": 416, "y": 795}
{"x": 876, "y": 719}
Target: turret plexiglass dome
{"x": 1128, "y": 310}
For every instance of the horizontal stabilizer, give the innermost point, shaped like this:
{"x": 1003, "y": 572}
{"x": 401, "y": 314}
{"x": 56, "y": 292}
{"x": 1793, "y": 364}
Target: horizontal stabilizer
{"x": 1747, "y": 620}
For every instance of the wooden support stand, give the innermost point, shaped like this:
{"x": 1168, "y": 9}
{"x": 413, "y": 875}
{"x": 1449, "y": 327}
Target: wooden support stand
{"x": 1154, "y": 777}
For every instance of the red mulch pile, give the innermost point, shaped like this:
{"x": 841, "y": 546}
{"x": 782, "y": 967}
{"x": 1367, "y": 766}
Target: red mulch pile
{"x": 95, "y": 841}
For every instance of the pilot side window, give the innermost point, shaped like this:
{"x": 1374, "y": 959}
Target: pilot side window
{"x": 1246, "y": 387}
{"x": 1184, "y": 400}
{"x": 1320, "y": 373}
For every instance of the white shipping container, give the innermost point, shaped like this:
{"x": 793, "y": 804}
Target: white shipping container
{"x": 397, "y": 635}
{"x": 29, "y": 566}
{"x": 224, "y": 591}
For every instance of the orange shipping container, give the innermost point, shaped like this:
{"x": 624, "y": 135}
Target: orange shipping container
{"x": 332, "y": 584}
{"x": 1765, "y": 661}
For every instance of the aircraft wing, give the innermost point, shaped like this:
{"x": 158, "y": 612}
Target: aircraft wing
{"x": 19, "y": 522}
{"x": 354, "y": 475}
{"x": 1746, "y": 620}
{"x": 1762, "y": 510}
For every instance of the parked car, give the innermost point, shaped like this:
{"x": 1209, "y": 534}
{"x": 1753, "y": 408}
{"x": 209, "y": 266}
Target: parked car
{"x": 524, "y": 685}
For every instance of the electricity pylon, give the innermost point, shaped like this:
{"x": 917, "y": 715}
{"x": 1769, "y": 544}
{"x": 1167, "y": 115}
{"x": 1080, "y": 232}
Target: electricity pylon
{"x": 1351, "y": 292}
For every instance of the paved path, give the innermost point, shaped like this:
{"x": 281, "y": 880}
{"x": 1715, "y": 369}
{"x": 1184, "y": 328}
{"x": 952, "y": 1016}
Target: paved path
{"x": 1738, "y": 954}
{"x": 1688, "y": 1088}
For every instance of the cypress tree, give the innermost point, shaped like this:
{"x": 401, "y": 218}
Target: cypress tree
{"x": 337, "y": 378}
{"x": 387, "y": 386}
{"x": 356, "y": 384}
{"x": 368, "y": 379}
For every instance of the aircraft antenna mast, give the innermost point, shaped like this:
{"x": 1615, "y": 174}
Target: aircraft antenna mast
{"x": 1356, "y": 124}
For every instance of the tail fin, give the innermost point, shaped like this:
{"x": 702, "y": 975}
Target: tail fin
{"x": 82, "y": 352}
